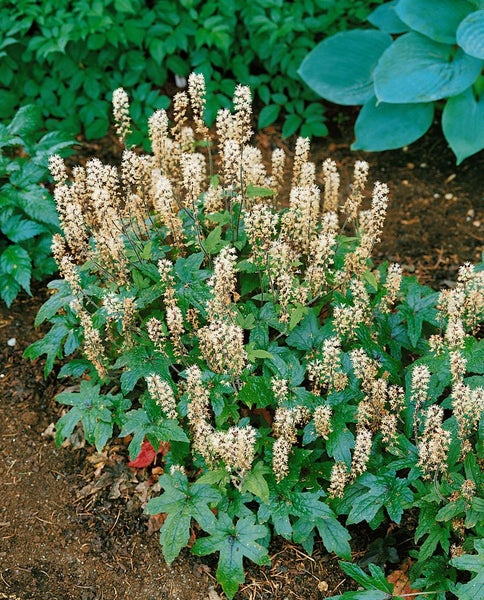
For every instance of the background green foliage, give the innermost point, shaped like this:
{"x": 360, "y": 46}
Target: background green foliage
{"x": 28, "y": 216}
{"x": 67, "y": 57}
{"x": 424, "y": 54}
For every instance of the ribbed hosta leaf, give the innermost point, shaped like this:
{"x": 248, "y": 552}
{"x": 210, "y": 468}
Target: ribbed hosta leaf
{"x": 386, "y": 19}
{"x": 436, "y": 19}
{"x": 470, "y": 34}
{"x": 340, "y": 68}
{"x": 383, "y": 126}
{"x": 463, "y": 124}
{"x": 416, "y": 69}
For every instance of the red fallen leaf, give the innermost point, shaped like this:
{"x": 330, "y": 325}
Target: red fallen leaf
{"x": 147, "y": 455}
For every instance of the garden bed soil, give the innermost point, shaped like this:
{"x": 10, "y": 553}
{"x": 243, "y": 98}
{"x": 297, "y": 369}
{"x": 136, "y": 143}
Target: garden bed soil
{"x": 71, "y": 524}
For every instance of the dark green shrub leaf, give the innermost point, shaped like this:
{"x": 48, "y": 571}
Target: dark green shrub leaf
{"x": 126, "y": 6}
{"x": 382, "y": 126}
{"x": 26, "y": 121}
{"x": 436, "y": 19}
{"x": 74, "y": 368}
{"x": 19, "y": 230}
{"x": 362, "y": 595}
{"x": 93, "y": 410}
{"x": 340, "y": 68}
{"x": 9, "y": 290}
{"x": 463, "y": 124}
{"x": 60, "y": 299}
{"x": 50, "y": 143}
{"x": 307, "y": 334}
{"x": 417, "y": 69}
{"x": 469, "y": 34}
{"x": 268, "y": 115}
{"x": 375, "y": 581}
{"x": 15, "y": 261}
{"x": 96, "y": 129}
{"x": 451, "y": 510}
{"x": 291, "y": 124}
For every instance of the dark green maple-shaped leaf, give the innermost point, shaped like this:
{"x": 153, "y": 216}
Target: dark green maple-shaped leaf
{"x": 475, "y": 563}
{"x": 182, "y": 502}
{"x": 371, "y": 493}
{"x": 307, "y": 335}
{"x": 140, "y": 362}
{"x": 97, "y": 413}
{"x": 375, "y": 581}
{"x": 419, "y": 306}
{"x": 310, "y": 513}
{"x": 139, "y": 423}
{"x": 51, "y": 344}
{"x": 233, "y": 542}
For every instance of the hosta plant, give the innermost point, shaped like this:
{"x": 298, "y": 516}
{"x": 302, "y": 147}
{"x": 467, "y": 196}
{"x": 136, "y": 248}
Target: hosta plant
{"x": 423, "y": 54}
{"x": 217, "y": 305}
{"x": 28, "y": 217}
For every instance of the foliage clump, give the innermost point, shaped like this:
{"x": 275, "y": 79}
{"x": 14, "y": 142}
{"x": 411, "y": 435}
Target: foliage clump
{"x": 423, "y": 55}
{"x": 67, "y": 57}
{"x": 28, "y": 216}
{"x": 214, "y": 305}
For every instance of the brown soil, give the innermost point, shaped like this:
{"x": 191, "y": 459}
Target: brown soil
{"x": 71, "y": 525}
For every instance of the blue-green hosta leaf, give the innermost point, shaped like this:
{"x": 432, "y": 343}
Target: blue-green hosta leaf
{"x": 470, "y": 34}
{"x": 417, "y": 69}
{"x": 182, "y": 502}
{"x": 386, "y": 19}
{"x": 233, "y": 542}
{"x": 436, "y": 19}
{"x": 463, "y": 123}
{"x": 340, "y": 68}
{"x": 383, "y": 126}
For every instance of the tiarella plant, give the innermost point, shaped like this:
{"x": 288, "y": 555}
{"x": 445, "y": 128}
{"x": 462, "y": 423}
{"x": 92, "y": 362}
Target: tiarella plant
{"x": 229, "y": 314}
{"x": 424, "y": 54}
{"x": 28, "y": 217}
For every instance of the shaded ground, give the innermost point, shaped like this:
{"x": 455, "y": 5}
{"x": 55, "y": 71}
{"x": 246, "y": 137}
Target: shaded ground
{"x": 71, "y": 526}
